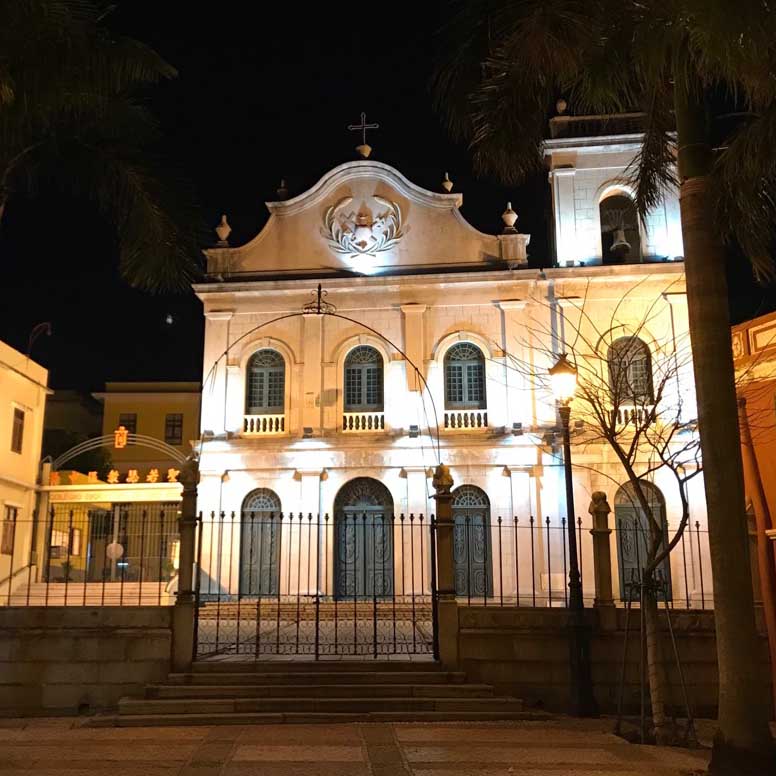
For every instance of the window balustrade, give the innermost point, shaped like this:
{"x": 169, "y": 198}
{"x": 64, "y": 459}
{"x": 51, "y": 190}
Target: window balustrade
{"x": 362, "y": 422}
{"x": 264, "y": 425}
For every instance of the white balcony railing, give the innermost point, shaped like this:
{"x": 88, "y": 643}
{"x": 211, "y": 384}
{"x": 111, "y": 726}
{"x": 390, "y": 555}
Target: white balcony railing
{"x": 264, "y": 425}
{"x": 466, "y": 419}
{"x": 643, "y": 415}
{"x": 362, "y": 422}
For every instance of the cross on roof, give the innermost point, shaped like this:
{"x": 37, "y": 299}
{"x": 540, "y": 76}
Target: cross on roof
{"x": 362, "y": 127}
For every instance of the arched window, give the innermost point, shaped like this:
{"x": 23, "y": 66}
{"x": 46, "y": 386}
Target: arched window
{"x": 363, "y": 380}
{"x": 620, "y": 238}
{"x": 266, "y": 383}
{"x": 630, "y": 371}
{"x": 465, "y": 377}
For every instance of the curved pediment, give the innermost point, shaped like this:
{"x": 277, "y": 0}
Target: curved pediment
{"x": 366, "y": 217}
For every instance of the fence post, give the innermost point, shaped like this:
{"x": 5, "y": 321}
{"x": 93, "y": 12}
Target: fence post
{"x": 447, "y": 606}
{"x": 602, "y": 561}
{"x": 183, "y": 611}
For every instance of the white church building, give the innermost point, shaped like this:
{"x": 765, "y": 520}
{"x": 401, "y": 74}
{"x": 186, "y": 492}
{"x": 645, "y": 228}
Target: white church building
{"x": 428, "y": 342}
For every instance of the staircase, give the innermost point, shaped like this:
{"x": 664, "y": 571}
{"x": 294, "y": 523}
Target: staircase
{"x": 222, "y": 693}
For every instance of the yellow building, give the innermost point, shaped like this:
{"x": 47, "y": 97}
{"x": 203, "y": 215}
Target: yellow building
{"x": 23, "y": 391}
{"x": 166, "y": 411}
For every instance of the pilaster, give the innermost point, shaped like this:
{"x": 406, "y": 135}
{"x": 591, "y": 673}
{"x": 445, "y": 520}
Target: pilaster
{"x": 214, "y": 384}
{"x": 413, "y": 342}
{"x": 312, "y": 371}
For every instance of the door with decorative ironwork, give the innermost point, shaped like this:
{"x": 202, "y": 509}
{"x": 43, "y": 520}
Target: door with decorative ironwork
{"x": 363, "y": 540}
{"x": 472, "y": 543}
{"x": 633, "y": 539}
{"x": 260, "y": 543}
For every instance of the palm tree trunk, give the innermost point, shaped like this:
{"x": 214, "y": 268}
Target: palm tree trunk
{"x": 656, "y": 672}
{"x": 743, "y": 735}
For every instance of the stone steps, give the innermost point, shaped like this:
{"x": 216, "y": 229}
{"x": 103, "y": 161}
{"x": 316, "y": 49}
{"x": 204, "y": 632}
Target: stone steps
{"x": 283, "y": 705}
{"x": 250, "y": 692}
{"x": 307, "y": 678}
{"x": 330, "y": 690}
{"x": 307, "y": 718}
{"x": 314, "y": 667}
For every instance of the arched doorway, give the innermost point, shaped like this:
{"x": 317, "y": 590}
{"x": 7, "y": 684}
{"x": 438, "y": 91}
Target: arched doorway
{"x": 363, "y": 540}
{"x": 633, "y": 539}
{"x": 260, "y": 543}
{"x": 472, "y": 544}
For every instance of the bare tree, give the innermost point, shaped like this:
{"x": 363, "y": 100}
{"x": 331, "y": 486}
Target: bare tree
{"x": 634, "y": 394}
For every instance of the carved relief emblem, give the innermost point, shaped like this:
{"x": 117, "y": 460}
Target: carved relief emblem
{"x": 361, "y": 234}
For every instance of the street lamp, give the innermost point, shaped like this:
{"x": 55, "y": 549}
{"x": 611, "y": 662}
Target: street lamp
{"x": 563, "y": 378}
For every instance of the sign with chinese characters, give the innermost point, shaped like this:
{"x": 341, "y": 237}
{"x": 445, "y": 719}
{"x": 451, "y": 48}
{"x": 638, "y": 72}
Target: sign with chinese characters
{"x": 120, "y": 437}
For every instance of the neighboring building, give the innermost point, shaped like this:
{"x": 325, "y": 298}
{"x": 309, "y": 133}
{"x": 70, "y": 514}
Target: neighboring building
{"x": 23, "y": 391}
{"x": 754, "y": 352}
{"x": 165, "y": 411}
{"x": 327, "y": 415}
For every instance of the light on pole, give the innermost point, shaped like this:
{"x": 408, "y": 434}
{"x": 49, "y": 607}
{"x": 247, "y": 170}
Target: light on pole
{"x": 563, "y": 379}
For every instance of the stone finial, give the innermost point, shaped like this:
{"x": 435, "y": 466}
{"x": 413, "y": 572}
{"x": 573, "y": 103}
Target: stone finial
{"x": 282, "y": 190}
{"x": 364, "y": 150}
{"x": 447, "y": 184}
{"x": 223, "y": 230}
{"x": 561, "y": 106}
{"x": 443, "y": 480}
{"x": 599, "y": 504}
{"x": 509, "y": 217}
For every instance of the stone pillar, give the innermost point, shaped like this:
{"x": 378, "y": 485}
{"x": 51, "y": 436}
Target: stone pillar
{"x": 447, "y": 606}
{"x": 183, "y": 620}
{"x": 413, "y": 342}
{"x": 602, "y": 560}
{"x": 564, "y": 215}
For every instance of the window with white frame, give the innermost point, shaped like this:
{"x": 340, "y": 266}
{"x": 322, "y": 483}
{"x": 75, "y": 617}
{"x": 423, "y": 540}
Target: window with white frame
{"x": 363, "y": 380}
{"x": 630, "y": 371}
{"x": 265, "y": 383}
{"x": 465, "y": 377}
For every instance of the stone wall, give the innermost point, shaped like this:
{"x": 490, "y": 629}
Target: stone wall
{"x": 65, "y": 660}
{"x": 525, "y": 653}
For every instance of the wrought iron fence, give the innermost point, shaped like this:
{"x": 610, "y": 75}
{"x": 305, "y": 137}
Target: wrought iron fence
{"x": 512, "y": 561}
{"x": 681, "y": 580}
{"x": 112, "y": 555}
{"x": 284, "y": 584}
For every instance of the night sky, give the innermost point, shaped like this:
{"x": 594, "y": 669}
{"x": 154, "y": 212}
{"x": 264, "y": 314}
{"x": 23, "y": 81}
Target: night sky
{"x": 265, "y": 92}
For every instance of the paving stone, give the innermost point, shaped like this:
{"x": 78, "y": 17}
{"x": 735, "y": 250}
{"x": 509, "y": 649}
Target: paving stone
{"x": 298, "y": 753}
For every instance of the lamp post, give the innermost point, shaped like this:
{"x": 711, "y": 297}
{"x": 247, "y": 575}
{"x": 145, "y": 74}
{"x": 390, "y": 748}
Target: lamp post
{"x": 563, "y": 378}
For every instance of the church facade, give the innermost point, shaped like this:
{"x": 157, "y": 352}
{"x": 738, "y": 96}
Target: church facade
{"x": 428, "y": 341}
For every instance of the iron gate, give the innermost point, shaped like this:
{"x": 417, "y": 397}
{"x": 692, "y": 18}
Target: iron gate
{"x": 283, "y": 584}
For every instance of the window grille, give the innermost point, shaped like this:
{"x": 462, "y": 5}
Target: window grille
{"x": 129, "y": 421}
{"x": 173, "y": 428}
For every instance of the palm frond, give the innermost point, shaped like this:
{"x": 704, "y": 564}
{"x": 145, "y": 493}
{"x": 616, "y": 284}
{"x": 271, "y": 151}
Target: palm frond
{"x": 652, "y": 171}
{"x": 745, "y": 191}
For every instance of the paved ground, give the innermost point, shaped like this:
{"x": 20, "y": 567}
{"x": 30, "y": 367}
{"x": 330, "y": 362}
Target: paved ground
{"x": 550, "y": 748}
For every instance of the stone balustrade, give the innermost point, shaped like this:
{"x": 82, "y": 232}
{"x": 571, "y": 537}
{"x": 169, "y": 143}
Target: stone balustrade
{"x": 264, "y": 425}
{"x": 465, "y": 420}
{"x": 362, "y": 422}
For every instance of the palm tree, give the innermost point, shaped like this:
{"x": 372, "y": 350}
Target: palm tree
{"x": 681, "y": 62}
{"x": 71, "y": 121}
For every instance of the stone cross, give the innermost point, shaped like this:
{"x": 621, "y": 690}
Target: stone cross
{"x": 362, "y": 127}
